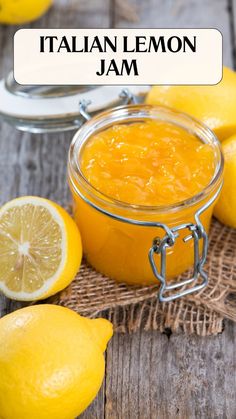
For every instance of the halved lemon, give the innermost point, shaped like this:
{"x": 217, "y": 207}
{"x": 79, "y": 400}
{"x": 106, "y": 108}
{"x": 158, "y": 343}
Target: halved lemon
{"x": 40, "y": 248}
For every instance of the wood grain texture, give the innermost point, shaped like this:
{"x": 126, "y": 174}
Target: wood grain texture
{"x": 148, "y": 375}
{"x": 36, "y": 164}
{"x": 232, "y": 17}
{"x": 183, "y": 14}
{"x": 152, "y": 376}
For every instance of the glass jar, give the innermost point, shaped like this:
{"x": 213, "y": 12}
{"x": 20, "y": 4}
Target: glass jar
{"x": 139, "y": 244}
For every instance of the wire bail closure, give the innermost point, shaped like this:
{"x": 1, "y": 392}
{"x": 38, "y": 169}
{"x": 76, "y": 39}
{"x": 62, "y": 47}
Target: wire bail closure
{"x": 126, "y": 96}
{"x": 160, "y": 247}
{"x": 197, "y": 233}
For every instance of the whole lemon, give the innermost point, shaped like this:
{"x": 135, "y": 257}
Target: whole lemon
{"x": 225, "y": 209}
{"x": 22, "y": 11}
{"x": 51, "y": 362}
{"x": 213, "y": 105}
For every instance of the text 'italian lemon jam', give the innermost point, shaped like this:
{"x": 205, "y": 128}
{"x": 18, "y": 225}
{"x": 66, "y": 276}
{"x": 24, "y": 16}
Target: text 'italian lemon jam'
{"x": 142, "y": 163}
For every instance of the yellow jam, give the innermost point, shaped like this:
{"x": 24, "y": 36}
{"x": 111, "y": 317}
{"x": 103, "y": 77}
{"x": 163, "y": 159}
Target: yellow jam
{"x": 152, "y": 164}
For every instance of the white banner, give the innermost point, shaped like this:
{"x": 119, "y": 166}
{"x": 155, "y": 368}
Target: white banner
{"x": 117, "y": 56}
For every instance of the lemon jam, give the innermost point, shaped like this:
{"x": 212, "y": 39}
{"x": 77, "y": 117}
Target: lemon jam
{"x": 146, "y": 164}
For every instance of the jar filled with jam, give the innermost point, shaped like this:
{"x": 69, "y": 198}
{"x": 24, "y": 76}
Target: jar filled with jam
{"x": 144, "y": 180}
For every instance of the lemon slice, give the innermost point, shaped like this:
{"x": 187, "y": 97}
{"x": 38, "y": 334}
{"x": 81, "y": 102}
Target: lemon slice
{"x": 40, "y": 248}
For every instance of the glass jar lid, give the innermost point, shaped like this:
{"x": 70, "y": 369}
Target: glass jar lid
{"x": 41, "y": 109}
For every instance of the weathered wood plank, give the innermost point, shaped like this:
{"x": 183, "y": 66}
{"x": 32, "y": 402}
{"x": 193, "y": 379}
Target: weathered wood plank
{"x": 34, "y": 164}
{"x": 232, "y": 16}
{"x": 152, "y": 377}
{"x": 182, "y": 14}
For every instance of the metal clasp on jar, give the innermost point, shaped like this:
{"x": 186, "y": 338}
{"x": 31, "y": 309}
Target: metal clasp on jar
{"x": 125, "y": 95}
{"x": 160, "y": 246}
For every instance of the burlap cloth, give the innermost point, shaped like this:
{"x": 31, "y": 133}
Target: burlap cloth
{"x": 129, "y": 308}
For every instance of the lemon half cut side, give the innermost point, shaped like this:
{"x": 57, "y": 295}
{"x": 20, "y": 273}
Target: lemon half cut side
{"x": 40, "y": 248}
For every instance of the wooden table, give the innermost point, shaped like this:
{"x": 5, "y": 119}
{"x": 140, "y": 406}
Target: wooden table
{"x": 148, "y": 375}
